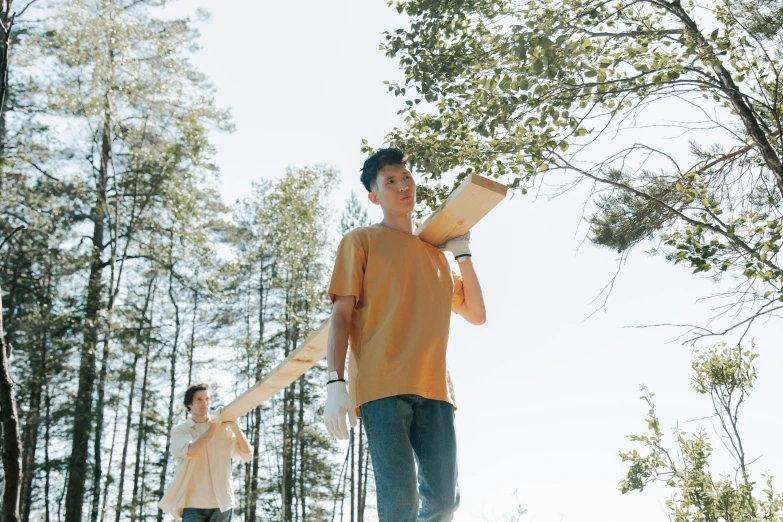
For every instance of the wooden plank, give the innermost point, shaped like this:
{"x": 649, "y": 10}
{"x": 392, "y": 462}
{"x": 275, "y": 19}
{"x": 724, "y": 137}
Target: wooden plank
{"x": 464, "y": 207}
{"x": 307, "y": 355}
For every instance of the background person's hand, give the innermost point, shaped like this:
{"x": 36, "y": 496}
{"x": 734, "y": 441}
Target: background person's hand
{"x": 338, "y": 404}
{"x": 215, "y": 417}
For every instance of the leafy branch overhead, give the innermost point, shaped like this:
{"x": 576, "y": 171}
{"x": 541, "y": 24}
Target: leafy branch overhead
{"x": 515, "y": 90}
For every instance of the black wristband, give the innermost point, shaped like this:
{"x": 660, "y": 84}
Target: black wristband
{"x": 335, "y": 380}
{"x": 462, "y": 255}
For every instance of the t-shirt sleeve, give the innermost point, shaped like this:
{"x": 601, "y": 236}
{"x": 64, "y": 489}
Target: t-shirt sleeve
{"x": 349, "y": 266}
{"x": 458, "y": 297}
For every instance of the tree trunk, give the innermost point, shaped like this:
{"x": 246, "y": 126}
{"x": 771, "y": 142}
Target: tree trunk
{"x": 288, "y": 454}
{"x": 141, "y": 437}
{"x": 11, "y": 439}
{"x": 353, "y": 474}
{"x": 142, "y": 495}
{"x": 139, "y": 335}
{"x": 192, "y": 338}
{"x": 97, "y": 470}
{"x": 12, "y": 443}
{"x": 128, "y": 421}
{"x": 365, "y": 474}
{"x": 47, "y": 462}
{"x": 173, "y": 378}
{"x": 300, "y": 434}
{"x": 82, "y": 422}
{"x": 29, "y": 445}
{"x": 252, "y": 501}
{"x": 359, "y": 483}
{"x": 109, "y": 478}
{"x": 288, "y": 479}
{"x": 259, "y": 373}
{"x": 30, "y": 437}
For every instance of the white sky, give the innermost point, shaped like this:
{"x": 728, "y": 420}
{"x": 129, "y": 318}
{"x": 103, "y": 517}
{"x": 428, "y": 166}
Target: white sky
{"x": 546, "y": 397}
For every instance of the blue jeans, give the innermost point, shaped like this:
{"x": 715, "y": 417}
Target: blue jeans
{"x": 205, "y": 515}
{"x": 405, "y": 431}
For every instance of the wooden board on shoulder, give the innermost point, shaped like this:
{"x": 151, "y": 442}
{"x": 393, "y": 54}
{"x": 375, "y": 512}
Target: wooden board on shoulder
{"x": 464, "y": 207}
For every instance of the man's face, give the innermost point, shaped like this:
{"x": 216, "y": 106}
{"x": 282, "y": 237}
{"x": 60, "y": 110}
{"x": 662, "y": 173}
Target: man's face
{"x": 396, "y": 189}
{"x": 202, "y": 399}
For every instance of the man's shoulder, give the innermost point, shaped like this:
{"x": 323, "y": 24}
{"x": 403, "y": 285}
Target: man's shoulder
{"x": 362, "y": 231}
{"x": 182, "y": 426}
{"x": 361, "y": 235}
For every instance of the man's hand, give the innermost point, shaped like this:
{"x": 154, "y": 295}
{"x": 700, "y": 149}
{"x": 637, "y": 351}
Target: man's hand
{"x": 338, "y": 403}
{"x": 459, "y": 246}
{"x": 242, "y": 441}
{"x": 215, "y": 418}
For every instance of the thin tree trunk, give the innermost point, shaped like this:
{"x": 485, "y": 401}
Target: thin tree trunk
{"x": 83, "y": 413}
{"x": 142, "y": 499}
{"x": 365, "y": 473}
{"x": 253, "y": 497}
{"x": 141, "y": 438}
{"x": 353, "y": 475}
{"x": 288, "y": 454}
{"x": 192, "y": 338}
{"x": 147, "y": 304}
{"x": 47, "y": 462}
{"x": 109, "y": 478}
{"x": 30, "y": 437}
{"x": 173, "y": 378}
{"x": 128, "y": 421}
{"x": 258, "y": 375}
{"x": 12, "y": 442}
{"x": 359, "y": 483}
{"x": 11, "y": 439}
{"x": 97, "y": 469}
{"x": 300, "y": 435}
{"x": 288, "y": 426}
{"x": 337, "y": 494}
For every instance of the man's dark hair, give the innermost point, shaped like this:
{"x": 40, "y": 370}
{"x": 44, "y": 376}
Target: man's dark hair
{"x": 382, "y": 157}
{"x": 191, "y": 391}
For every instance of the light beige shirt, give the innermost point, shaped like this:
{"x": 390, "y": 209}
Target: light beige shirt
{"x": 221, "y": 448}
{"x": 200, "y": 492}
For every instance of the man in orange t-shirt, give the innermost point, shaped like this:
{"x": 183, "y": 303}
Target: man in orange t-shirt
{"x": 393, "y": 295}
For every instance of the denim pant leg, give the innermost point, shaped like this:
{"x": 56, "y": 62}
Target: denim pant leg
{"x": 195, "y": 515}
{"x": 435, "y": 446}
{"x": 388, "y": 425}
{"x": 217, "y": 516}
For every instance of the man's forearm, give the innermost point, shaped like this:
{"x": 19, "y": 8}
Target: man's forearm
{"x": 197, "y": 446}
{"x": 244, "y": 445}
{"x": 475, "y": 310}
{"x": 337, "y": 343}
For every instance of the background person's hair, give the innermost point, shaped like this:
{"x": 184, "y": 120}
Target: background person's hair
{"x": 381, "y": 158}
{"x": 191, "y": 391}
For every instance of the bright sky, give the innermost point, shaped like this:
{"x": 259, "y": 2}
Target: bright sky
{"x": 546, "y": 397}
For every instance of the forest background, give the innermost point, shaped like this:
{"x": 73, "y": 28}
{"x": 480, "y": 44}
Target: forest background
{"x": 216, "y": 234}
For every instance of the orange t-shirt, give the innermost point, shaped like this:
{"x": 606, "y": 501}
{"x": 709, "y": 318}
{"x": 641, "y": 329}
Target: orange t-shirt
{"x": 405, "y": 291}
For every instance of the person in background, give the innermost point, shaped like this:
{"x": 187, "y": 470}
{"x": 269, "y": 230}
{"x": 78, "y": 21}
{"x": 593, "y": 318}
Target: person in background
{"x": 202, "y": 488}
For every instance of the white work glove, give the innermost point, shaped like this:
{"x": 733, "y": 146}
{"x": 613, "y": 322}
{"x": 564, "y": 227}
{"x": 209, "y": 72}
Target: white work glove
{"x": 215, "y": 417}
{"x": 459, "y": 246}
{"x": 338, "y": 403}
